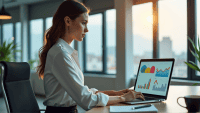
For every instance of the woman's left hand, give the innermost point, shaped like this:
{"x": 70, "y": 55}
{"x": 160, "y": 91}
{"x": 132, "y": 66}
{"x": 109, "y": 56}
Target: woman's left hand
{"x": 116, "y": 93}
{"x": 124, "y": 91}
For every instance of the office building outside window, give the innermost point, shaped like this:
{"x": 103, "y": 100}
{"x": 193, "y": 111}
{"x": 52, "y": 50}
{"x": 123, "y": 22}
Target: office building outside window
{"x": 94, "y": 43}
{"x": 142, "y": 33}
{"x": 18, "y": 41}
{"x": 8, "y": 34}
{"x": 172, "y": 28}
{"x": 111, "y": 40}
{"x": 49, "y": 23}
{"x": 36, "y": 39}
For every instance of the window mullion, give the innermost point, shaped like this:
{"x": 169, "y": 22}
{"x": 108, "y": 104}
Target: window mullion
{"x": 29, "y": 41}
{"x": 84, "y": 54}
{"x": 14, "y": 35}
{"x": 155, "y": 30}
{"x": 104, "y": 44}
{"x": 44, "y": 28}
{"x": 192, "y": 33}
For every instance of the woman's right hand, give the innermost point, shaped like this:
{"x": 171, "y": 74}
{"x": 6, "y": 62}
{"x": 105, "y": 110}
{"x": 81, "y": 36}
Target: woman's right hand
{"x": 132, "y": 95}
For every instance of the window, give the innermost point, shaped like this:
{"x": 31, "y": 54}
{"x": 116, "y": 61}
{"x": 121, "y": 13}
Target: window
{"x": 142, "y": 33}
{"x": 48, "y": 24}
{"x": 18, "y": 41}
{"x": 8, "y": 33}
{"x": 173, "y": 34}
{"x": 94, "y": 43}
{"x": 111, "y": 40}
{"x": 49, "y": 21}
{"x": 36, "y": 39}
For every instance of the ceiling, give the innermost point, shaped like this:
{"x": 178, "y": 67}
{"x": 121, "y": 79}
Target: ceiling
{"x": 8, "y": 1}
{"x": 14, "y": 3}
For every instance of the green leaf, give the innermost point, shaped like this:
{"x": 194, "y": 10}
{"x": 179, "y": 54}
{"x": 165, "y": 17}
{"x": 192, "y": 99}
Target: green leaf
{"x": 195, "y": 84}
{"x": 194, "y": 65}
{"x": 199, "y": 46}
{"x": 196, "y": 50}
{"x": 191, "y": 66}
{"x": 198, "y": 43}
{"x": 4, "y": 44}
{"x": 8, "y": 50}
{"x": 13, "y": 47}
{"x": 15, "y": 51}
{"x": 194, "y": 55}
{"x": 9, "y": 46}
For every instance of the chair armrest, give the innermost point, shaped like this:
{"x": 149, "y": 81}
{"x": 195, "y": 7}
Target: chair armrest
{"x": 42, "y": 109}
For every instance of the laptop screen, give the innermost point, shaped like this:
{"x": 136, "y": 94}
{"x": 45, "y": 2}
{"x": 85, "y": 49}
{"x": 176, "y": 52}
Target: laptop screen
{"x": 153, "y": 77}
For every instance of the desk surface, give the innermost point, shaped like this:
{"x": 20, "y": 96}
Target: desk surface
{"x": 168, "y": 106}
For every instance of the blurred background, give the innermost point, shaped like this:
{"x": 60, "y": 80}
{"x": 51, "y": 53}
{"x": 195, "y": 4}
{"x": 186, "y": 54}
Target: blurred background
{"x": 159, "y": 29}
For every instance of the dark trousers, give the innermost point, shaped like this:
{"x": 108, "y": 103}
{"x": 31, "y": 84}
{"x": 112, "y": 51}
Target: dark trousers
{"x": 52, "y": 109}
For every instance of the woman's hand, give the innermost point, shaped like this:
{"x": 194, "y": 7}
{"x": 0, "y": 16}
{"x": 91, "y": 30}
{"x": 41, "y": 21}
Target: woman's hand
{"x": 124, "y": 91}
{"x": 115, "y": 93}
{"x": 131, "y": 95}
{"x": 119, "y": 93}
{"x": 111, "y": 93}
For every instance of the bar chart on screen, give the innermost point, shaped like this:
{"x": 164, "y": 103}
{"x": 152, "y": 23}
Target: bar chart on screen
{"x": 145, "y": 86}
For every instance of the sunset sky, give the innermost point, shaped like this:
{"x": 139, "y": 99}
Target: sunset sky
{"x": 172, "y": 23}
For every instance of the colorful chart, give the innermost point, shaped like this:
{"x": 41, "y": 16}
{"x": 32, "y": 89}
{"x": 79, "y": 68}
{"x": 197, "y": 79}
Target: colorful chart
{"x": 162, "y": 88}
{"x": 155, "y": 82}
{"x": 161, "y": 73}
{"x": 145, "y": 86}
{"x": 146, "y": 69}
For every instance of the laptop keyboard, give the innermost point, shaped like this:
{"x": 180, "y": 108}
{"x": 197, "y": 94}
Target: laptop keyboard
{"x": 148, "y": 98}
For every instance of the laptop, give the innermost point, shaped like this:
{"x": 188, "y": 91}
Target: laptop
{"x": 153, "y": 80}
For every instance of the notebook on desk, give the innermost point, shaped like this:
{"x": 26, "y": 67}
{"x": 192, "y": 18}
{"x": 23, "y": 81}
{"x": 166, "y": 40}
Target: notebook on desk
{"x": 128, "y": 109}
{"x": 153, "y": 80}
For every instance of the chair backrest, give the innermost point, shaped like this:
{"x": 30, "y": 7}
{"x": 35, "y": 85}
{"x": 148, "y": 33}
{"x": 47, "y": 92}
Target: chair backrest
{"x": 17, "y": 91}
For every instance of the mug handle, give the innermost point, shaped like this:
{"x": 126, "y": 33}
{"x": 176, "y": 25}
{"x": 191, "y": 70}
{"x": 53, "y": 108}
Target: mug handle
{"x": 178, "y": 103}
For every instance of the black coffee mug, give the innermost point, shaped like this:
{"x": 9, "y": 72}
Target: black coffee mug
{"x": 192, "y": 103}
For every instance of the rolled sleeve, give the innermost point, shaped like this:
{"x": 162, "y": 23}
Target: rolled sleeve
{"x": 103, "y": 99}
{"x": 94, "y": 90}
{"x": 64, "y": 71}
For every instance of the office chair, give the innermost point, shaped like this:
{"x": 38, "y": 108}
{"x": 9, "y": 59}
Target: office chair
{"x": 16, "y": 87}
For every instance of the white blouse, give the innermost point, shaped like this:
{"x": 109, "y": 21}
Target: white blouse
{"x": 64, "y": 80}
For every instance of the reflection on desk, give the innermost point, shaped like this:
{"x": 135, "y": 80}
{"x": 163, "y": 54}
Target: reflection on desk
{"x": 168, "y": 106}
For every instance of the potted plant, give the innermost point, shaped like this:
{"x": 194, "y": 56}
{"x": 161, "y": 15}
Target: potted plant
{"x": 197, "y": 56}
{"x": 6, "y": 54}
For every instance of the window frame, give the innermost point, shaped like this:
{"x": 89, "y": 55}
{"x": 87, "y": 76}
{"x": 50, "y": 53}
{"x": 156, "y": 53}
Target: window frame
{"x": 29, "y": 34}
{"x": 191, "y": 26}
{"x": 104, "y": 50}
{"x": 191, "y": 31}
{"x": 191, "y": 4}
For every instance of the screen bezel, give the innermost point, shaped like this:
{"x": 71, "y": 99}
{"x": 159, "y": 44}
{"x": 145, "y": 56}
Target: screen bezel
{"x": 156, "y": 60}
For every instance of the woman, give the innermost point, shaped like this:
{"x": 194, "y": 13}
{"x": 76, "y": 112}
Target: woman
{"x": 59, "y": 66}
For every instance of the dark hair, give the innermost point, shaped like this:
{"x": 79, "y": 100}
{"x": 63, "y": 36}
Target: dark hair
{"x": 70, "y": 8}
